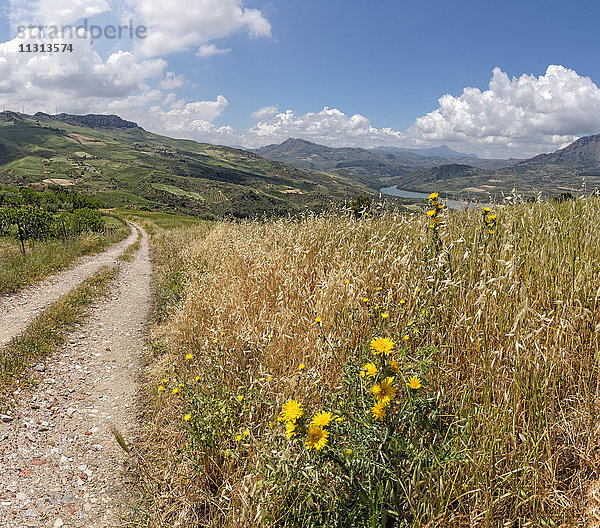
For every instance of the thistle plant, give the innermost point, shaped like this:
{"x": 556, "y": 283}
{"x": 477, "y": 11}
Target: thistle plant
{"x": 380, "y": 426}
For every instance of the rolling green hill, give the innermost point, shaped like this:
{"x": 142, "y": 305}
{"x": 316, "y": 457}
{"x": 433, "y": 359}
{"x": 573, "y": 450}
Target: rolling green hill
{"x": 124, "y": 165}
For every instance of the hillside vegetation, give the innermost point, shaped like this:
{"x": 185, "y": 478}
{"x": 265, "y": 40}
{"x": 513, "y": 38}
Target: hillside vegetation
{"x": 123, "y": 165}
{"x": 480, "y": 329}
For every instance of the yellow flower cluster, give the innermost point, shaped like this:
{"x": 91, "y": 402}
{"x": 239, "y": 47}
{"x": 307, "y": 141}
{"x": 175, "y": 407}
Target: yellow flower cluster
{"x": 384, "y": 388}
{"x": 435, "y": 207}
{"x": 316, "y": 432}
{"x": 489, "y": 220}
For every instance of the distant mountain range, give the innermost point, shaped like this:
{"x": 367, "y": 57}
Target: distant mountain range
{"x": 443, "y": 151}
{"x": 371, "y": 167}
{"x": 573, "y": 168}
{"x": 124, "y": 165}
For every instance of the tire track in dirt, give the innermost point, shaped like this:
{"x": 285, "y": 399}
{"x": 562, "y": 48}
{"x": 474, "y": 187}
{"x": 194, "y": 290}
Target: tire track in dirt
{"x": 19, "y": 310}
{"x": 61, "y": 464}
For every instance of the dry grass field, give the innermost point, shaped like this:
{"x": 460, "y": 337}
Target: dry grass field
{"x": 493, "y": 380}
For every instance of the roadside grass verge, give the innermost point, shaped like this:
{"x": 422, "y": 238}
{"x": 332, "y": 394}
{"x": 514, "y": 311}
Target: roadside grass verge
{"x": 17, "y": 271}
{"x": 48, "y": 331}
{"x": 498, "y": 318}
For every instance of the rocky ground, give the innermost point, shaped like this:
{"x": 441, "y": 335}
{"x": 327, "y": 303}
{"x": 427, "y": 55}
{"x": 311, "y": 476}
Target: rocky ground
{"x": 60, "y": 462}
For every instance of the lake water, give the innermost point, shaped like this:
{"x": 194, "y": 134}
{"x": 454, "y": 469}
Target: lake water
{"x": 454, "y": 204}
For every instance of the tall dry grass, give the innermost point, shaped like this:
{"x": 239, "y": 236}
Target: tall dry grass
{"x": 513, "y": 314}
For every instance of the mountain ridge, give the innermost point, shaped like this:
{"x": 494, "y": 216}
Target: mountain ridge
{"x": 372, "y": 167}
{"x": 90, "y": 120}
{"x": 573, "y": 168}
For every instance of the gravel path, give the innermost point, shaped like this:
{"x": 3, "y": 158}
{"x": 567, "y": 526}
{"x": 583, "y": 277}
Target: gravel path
{"x": 60, "y": 463}
{"x": 20, "y": 309}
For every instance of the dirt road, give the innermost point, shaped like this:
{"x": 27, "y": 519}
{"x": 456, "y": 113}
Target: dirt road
{"x": 60, "y": 463}
{"x": 17, "y": 311}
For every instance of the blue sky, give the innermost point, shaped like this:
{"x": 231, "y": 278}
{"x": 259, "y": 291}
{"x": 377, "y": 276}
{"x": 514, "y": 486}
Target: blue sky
{"x": 338, "y": 73}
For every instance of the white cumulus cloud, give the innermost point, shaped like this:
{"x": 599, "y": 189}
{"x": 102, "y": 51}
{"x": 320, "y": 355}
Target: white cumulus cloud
{"x": 172, "y": 81}
{"x": 72, "y": 81}
{"x": 51, "y": 12}
{"x": 522, "y": 115}
{"x": 519, "y": 116}
{"x": 330, "y": 126}
{"x": 264, "y": 112}
{"x": 208, "y": 50}
{"x": 177, "y": 25}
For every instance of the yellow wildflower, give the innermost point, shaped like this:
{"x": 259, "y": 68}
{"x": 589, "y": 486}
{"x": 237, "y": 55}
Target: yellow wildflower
{"x": 160, "y": 388}
{"x": 394, "y": 366}
{"x": 387, "y": 389}
{"x": 406, "y": 337}
{"x": 238, "y": 437}
{"x": 349, "y": 451}
{"x": 290, "y": 429}
{"x": 376, "y": 390}
{"x": 322, "y": 419}
{"x": 434, "y": 196}
{"x": 414, "y": 382}
{"x": 316, "y": 438}
{"x": 301, "y": 366}
{"x": 187, "y": 417}
{"x": 370, "y": 369}
{"x": 431, "y": 213}
{"x": 317, "y": 320}
{"x": 188, "y": 356}
{"x": 385, "y": 315}
{"x": 175, "y": 390}
{"x": 378, "y": 411}
{"x": 382, "y": 346}
{"x": 292, "y": 410}
{"x": 240, "y": 398}
{"x": 246, "y": 432}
